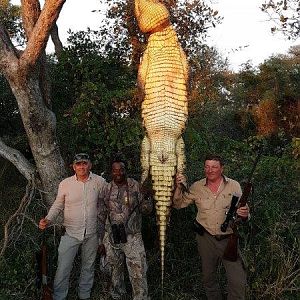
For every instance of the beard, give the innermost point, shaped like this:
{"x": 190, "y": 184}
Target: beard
{"x": 119, "y": 179}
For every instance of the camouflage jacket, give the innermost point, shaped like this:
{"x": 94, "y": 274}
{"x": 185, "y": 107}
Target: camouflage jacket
{"x": 125, "y": 204}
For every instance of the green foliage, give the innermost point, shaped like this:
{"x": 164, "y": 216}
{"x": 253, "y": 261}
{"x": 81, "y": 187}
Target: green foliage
{"x": 284, "y": 15}
{"x": 19, "y": 272}
{"x": 10, "y": 120}
{"x": 246, "y": 89}
{"x": 98, "y": 112}
{"x": 191, "y": 19}
{"x": 274, "y": 228}
{"x": 94, "y": 98}
{"x": 10, "y": 18}
{"x": 269, "y": 242}
{"x": 276, "y": 81}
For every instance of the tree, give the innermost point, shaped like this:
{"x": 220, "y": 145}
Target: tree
{"x": 10, "y": 121}
{"x": 26, "y": 74}
{"x": 269, "y": 95}
{"x": 191, "y": 19}
{"x": 280, "y": 78}
{"x": 10, "y": 17}
{"x": 286, "y": 16}
{"x": 96, "y": 103}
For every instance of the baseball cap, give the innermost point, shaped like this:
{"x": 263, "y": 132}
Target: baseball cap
{"x": 81, "y": 157}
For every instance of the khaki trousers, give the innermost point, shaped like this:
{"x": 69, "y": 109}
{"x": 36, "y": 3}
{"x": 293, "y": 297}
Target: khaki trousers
{"x": 211, "y": 253}
{"x": 67, "y": 250}
{"x": 133, "y": 253}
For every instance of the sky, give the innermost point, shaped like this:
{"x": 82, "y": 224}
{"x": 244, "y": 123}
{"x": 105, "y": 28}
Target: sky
{"x": 247, "y": 28}
{"x": 244, "y": 34}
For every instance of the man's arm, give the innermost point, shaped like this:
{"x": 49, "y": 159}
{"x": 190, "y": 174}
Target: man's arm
{"x": 102, "y": 210}
{"x": 58, "y": 205}
{"x": 182, "y": 198}
{"x": 55, "y": 209}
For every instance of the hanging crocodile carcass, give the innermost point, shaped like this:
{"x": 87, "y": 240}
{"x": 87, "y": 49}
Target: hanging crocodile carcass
{"x": 162, "y": 79}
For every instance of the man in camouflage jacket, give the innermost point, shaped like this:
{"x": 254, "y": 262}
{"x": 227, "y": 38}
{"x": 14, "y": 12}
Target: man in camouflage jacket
{"x": 124, "y": 206}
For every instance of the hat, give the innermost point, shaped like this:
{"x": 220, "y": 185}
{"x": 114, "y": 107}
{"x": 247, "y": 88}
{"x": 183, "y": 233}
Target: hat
{"x": 81, "y": 157}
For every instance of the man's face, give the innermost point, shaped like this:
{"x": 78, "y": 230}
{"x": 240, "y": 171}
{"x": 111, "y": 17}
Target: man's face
{"x": 213, "y": 170}
{"x": 82, "y": 168}
{"x": 118, "y": 172}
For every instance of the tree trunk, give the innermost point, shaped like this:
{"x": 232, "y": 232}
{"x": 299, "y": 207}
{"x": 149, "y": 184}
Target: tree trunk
{"x": 40, "y": 125}
{"x": 26, "y": 76}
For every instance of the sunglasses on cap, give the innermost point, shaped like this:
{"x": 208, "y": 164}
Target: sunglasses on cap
{"x": 81, "y": 157}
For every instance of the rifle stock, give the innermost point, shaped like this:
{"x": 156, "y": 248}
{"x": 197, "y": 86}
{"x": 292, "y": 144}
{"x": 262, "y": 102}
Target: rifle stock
{"x": 46, "y": 290}
{"x": 43, "y": 284}
{"x": 244, "y": 198}
{"x": 46, "y": 293}
{"x": 231, "y": 251}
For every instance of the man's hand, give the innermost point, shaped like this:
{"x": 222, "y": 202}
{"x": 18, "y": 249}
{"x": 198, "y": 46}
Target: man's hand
{"x": 43, "y": 224}
{"x": 243, "y": 211}
{"x": 119, "y": 218}
{"x": 180, "y": 181}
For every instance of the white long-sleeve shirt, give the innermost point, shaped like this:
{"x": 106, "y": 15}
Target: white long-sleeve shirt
{"x": 80, "y": 203}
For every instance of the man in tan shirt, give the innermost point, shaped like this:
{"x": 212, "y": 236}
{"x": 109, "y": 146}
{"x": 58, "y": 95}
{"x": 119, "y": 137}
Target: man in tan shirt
{"x": 212, "y": 196}
{"x": 79, "y": 197}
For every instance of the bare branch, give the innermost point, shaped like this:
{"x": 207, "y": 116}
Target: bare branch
{"x": 8, "y": 53}
{"x": 30, "y": 188}
{"x": 18, "y": 159}
{"x": 40, "y": 33}
{"x": 56, "y": 41}
{"x": 30, "y": 12}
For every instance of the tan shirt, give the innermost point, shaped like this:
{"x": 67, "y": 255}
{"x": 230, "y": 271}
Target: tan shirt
{"x": 79, "y": 202}
{"x": 211, "y": 208}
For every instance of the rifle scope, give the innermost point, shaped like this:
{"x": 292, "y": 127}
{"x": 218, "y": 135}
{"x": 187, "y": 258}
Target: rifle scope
{"x": 230, "y": 213}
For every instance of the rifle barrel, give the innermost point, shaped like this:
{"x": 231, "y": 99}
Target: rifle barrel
{"x": 254, "y": 164}
{"x": 245, "y": 195}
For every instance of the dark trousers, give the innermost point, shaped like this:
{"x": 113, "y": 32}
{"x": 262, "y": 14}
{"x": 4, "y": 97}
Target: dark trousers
{"x": 211, "y": 253}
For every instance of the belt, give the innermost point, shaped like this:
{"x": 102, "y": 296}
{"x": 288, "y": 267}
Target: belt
{"x": 219, "y": 237}
{"x": 199, "y": 229}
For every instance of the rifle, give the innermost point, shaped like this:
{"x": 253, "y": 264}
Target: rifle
{"x": 42, "y": 272}
{"x": 231, "y": 251}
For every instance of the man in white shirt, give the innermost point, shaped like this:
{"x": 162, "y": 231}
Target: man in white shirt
{"x": 79, "y": 197}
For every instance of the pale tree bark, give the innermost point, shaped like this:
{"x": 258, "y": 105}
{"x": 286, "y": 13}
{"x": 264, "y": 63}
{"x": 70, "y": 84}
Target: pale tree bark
{"x": 18, "y": 160}
{"x": 26, "y": 75}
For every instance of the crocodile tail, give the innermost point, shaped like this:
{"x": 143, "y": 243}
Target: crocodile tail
{"x": 163, "y": 185}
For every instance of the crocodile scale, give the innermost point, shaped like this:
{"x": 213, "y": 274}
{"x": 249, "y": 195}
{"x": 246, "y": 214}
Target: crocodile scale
{"x": 162, "y": 80}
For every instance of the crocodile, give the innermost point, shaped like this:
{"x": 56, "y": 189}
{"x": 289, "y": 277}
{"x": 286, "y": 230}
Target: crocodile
{"x": 162, "y": 81}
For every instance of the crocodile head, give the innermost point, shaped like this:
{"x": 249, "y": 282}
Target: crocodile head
{"x": 151, "y": 14}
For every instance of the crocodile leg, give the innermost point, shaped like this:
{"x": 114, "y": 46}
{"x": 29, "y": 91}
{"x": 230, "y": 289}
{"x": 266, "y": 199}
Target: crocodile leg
{"x": 145, "y": 159}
